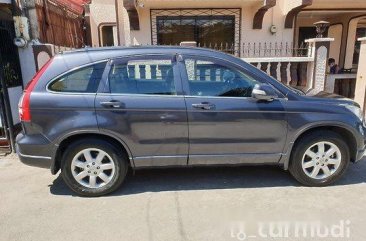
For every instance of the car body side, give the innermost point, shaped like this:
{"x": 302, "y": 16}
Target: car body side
{"x": 56, "y": 120}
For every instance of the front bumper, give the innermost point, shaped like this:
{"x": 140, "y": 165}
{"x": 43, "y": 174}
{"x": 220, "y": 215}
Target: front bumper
{"x": 362, "y": 151}
{"x": 34, "y": 150}
{"x": 360, "y": 154}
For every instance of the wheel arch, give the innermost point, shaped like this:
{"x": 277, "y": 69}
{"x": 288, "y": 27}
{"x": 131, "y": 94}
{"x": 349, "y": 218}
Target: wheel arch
{"x": 340, "y": 129}
{"x": 66, "y": 140}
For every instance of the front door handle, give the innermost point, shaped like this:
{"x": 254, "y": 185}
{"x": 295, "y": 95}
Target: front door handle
{"x": 204, "y": 106}
{"x": 111, "y": 104}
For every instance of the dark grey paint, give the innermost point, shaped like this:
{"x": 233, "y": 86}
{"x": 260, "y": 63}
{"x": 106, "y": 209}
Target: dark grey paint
{"x": 167, "y": 130}
{"x": 237, "y": 129}
{"x": 149, "y": 125}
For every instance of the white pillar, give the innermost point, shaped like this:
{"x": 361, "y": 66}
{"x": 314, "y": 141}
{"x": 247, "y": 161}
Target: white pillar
{"x": 335, "y": 31}
{"x": 352, "y": 28}
{"x": 316, "y": 74}
{"x": 361, "y": 76}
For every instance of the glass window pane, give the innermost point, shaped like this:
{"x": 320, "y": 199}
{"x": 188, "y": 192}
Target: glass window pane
{"x": 84, "y": 80}
{"x": 207, "y": 78}
{"x": 216, "y": 32}
{"x": 143, "y": 77}
{"x": 107, "y": 36}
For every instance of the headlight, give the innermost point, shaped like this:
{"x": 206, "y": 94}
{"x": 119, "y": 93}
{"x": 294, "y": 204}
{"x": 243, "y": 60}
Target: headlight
{"x": 355, "y": 110}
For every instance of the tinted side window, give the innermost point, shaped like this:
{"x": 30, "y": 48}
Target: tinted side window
{"x": 207, "y": 78}
{"x": 143, "y": 77}
{"x": 83, "y": 80}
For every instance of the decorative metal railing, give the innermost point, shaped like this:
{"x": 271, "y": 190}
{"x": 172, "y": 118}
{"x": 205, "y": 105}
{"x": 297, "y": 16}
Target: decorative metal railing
{"x": 276, "y": 49}
{"x": 260, "y": 49}
{"x": 229, "y": 48}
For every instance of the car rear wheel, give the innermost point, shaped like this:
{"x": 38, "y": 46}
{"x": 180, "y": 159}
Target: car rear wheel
{"x": 319, "y": 159}
{"x": 93, "y": 167}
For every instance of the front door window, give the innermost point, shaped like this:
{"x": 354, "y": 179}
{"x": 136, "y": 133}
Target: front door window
{"x": 207, "y": 78}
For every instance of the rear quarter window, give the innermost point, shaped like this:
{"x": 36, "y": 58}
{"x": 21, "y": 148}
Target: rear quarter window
{"x": 82, "y": 80}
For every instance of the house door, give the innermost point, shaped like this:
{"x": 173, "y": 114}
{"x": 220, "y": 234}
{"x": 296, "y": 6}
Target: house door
{"x": 4, "y": 135}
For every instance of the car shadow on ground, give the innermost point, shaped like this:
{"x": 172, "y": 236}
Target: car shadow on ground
{"x": 206, "y": 178}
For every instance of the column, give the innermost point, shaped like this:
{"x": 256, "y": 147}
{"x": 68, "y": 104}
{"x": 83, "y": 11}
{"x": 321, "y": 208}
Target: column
{"x": 361, "y": 76}
{"x": 316, "y": 76}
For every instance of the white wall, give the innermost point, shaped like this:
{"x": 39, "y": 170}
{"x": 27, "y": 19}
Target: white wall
{"x": 101, "y": 11}
{"x": 142, "y": 36}
{"x": 274, "y": 16}
{"x": 27, "y": 63}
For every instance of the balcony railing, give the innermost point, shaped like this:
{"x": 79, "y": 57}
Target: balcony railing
{"x": 259, "y": 49}
{"x": 276, "y": 49}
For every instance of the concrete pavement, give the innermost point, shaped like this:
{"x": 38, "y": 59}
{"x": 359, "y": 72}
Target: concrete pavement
{"x": 242, "y": 203}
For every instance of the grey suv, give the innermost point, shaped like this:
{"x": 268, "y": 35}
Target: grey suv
{"x": 94, "y": 113}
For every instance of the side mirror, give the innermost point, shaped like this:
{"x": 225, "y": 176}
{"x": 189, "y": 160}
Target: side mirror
{"x": 264, "y": 92}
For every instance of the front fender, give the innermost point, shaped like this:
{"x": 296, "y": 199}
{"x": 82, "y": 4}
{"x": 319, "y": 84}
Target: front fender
{"x": 285, "y": 159}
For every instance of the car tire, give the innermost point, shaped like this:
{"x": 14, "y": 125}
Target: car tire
{"x": 93, "y": 167}
{"x": 311, "y": 163}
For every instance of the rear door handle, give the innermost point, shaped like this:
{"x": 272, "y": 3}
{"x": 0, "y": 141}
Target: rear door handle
{"x": 111, "y": 104}
{"x": 204, "y": 106}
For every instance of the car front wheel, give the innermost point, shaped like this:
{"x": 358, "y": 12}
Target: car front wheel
{"x": 319, "y": 159}
{"x": 93, "y": 167}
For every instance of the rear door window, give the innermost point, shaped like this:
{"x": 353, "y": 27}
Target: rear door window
{"x": 82, "y": 80}
{"x": 145, "y": 76}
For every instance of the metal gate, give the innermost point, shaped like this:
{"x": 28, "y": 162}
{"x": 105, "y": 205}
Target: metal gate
{"x": 10, "y": 84}
{"x": 4, "y": 130}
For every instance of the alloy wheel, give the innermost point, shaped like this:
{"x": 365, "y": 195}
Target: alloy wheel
{"x": 92, "y": 168}
{"x": 321, "y": 160}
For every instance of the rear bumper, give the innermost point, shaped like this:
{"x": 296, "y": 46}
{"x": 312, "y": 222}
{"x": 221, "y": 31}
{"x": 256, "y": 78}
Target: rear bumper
{"x": 35, "y": 150}
{"x": 36, "y": 161}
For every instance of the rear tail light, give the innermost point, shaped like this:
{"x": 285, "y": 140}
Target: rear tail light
{"x": 24, "y": 102}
